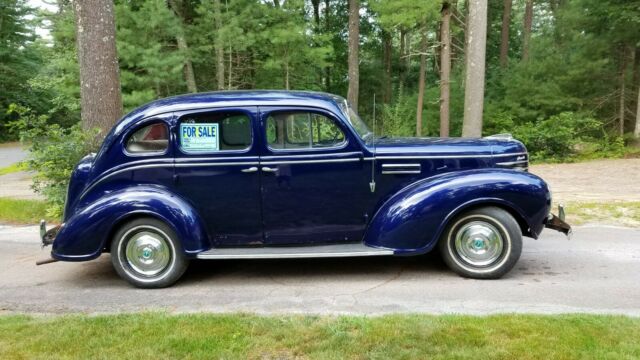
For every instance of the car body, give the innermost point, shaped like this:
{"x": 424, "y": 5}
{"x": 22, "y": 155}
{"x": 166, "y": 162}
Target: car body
{"x": 255, "y": 174}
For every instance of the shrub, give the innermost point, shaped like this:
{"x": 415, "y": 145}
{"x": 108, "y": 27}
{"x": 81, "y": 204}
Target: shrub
{"x": 53, "y": 153}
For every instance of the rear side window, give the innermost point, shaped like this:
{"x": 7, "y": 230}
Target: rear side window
{"x": 213, "y": 132}
{"x": 302, "y": 130}
{"x": 153, "y": 138}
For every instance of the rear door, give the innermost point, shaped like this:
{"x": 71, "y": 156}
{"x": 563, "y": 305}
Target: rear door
{"x": 314, "y": 183}
{"x": 216, "y": 169}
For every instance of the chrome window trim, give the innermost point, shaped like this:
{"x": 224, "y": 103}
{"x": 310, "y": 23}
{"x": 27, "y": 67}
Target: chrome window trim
{"x": 309, "y": 156}
{"x": 427, "y": 157}
{"x": 398, "y": 172}
{"x": 218, "y": 164}
{"x": 400, "y": 165}
{"x": 224, "y": 158}
{"x": 320, "y": 161}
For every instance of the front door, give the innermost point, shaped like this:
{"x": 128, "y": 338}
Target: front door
{"x": 216, "y": 169}
{"x": 314, "y": 182}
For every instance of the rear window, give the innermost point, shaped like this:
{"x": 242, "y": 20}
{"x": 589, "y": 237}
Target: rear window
{"x": 153, "y": 138}
{"x": 214, "y": 132}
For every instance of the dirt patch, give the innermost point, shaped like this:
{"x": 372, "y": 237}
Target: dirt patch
{"x": 593, "y": 181}
{"x": 18, "y": 185}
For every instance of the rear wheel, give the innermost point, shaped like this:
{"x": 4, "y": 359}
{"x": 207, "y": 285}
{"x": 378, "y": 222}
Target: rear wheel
{"x": 484, "y": 243}
{"x": 147, "y": 253}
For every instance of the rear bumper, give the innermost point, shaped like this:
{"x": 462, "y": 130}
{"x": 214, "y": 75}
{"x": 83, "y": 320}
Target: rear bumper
{"x": 47, "y": 236}
{"x": 556, "y": 222}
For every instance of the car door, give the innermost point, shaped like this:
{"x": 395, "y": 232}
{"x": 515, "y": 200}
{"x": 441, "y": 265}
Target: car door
{"x": 216, "y": 169}
{"x": 314, "y": 184}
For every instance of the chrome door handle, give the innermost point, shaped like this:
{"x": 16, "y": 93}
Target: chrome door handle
{"x": 250, "y": 170}
{"x": 268, "y": 169}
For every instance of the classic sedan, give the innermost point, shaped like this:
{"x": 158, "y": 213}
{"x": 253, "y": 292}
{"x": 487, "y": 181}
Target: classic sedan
{"x": 281, "y": 174}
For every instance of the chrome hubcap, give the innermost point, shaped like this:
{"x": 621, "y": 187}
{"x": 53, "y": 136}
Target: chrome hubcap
{"x": 478, "y": 243}
{"x": 147, "y": 253}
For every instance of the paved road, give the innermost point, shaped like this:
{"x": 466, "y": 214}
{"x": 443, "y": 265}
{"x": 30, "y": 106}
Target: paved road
{"x": 10, "y": 154}
{"x": 597, "y": 271}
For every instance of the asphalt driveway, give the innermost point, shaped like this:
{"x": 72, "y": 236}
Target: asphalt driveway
{"x": 597, "y": 272}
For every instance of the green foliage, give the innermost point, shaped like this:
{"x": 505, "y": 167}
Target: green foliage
{"x": 53, "y": 153}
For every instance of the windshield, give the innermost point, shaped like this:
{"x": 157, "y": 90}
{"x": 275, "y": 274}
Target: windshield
{"x": 358, "y": 124}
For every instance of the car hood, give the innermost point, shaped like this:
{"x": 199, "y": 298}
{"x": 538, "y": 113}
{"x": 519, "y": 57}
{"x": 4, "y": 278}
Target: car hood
{"x": 446, "y": 146}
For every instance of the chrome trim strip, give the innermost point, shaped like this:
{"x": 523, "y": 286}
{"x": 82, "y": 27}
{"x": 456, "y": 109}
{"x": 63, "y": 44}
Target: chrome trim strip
{"x": 217, "y": 164}
{"x": 226, "y": 158}
{"x": 400, "y": 165}
{"x": 511, "y": 163}
{"x": 397, "y": 172}
{"x": 294, "y": 255}
{"x": 426, "y": 157}
{"x": 310, "y": 156}
{"x": 284, "y": 162}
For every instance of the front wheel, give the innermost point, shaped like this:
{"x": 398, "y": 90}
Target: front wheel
{"x": 147, "y": 253}
{"x": 484, "y": 243}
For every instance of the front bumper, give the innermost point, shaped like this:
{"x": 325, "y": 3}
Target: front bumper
{"x": 556, "y": 222}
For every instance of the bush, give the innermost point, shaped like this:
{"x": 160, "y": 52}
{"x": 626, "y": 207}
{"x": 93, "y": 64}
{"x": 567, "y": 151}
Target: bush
{"x": 561, "y": 137}
{"x": 53, "y": 153}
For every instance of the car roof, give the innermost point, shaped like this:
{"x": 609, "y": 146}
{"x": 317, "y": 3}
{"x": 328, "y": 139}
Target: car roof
{"x": 229, "y": 98}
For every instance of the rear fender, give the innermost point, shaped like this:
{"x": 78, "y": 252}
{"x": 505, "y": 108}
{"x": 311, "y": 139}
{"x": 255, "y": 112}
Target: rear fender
{"x": 86, "y": 233}
{"x": 412, "y": 220}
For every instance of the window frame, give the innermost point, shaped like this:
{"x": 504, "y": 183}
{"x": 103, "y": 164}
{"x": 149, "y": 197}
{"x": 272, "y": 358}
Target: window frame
{"x": 328, "y": 115}
{"x": 242, "y": 111}
{"x": 141, "y": 125}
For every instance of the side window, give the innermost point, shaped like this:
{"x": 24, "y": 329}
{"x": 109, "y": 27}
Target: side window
{"x": 216, "y": 131}
{"x": 153, "y": 138}
{"x": 302, "y": 130}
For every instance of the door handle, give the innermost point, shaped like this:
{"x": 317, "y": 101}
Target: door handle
{"x": 268, "y": 169}
{"x": 250, "y": 170}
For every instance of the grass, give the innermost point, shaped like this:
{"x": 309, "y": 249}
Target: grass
{"x": 13, "y": 168}
{"x": 200, "y": 336}
{"x": 623, "y": 213}
{"x": 19, "y": 211}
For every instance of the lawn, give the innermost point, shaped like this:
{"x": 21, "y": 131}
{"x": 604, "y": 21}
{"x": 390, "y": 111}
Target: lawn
{"x": 622, "y": 213}
{"x": 13, "y": 168}
{"x": 200, "y": 336}
{"x": 19, "y": 211}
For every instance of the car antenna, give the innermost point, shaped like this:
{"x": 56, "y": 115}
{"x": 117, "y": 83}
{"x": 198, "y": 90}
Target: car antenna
{"x": 372, "y": 184}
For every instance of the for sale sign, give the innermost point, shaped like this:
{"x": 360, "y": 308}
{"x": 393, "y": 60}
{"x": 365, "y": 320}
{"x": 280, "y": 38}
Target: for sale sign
{"x": 199, "y": 137}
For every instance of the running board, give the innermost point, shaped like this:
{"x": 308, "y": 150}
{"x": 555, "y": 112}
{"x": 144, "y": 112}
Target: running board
{"x": 291, "y": 252}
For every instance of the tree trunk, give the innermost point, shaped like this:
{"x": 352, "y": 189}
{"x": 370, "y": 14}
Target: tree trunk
{"x": 316, "y": 13}
{"x": 445, "y": 69}
{"x": 504, "y": 42}
{"x": 327, "y": 70}
{"x": 636, "y": 130}
{"x": 189, "y": 75}
{"x": 423, "y": 69}
{"x": 219, "y": 45}
{"x": 528, "y": 22}
{"x": 354, "y": 43}
{"x": 401, "y": 61}
{"x": 386, "y": 59}
{"x": 475, "y": 67}
{"x": 623, "y": 73}
{"x": 100, "y": 98}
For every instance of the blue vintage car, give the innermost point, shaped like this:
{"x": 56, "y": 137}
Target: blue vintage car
{"x": 280, "y": 174}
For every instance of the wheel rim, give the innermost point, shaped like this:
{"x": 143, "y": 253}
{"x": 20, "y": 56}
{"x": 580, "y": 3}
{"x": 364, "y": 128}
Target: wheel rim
{"x": 148, "y": 253}
{"x": 479, "y": 243}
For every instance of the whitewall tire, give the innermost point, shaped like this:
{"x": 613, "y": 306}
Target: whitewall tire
{"x": 484, "y": 243}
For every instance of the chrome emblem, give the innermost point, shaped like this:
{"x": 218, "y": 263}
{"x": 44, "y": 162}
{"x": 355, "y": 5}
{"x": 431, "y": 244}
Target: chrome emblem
{"x": 521, "y": 157}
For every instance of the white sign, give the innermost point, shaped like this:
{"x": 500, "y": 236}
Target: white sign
{"x": 199, "y": 137}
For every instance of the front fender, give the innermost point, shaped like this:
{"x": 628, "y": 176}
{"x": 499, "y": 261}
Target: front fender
{"x": 86, "y": 233}
{"x": 412, "y": 220}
